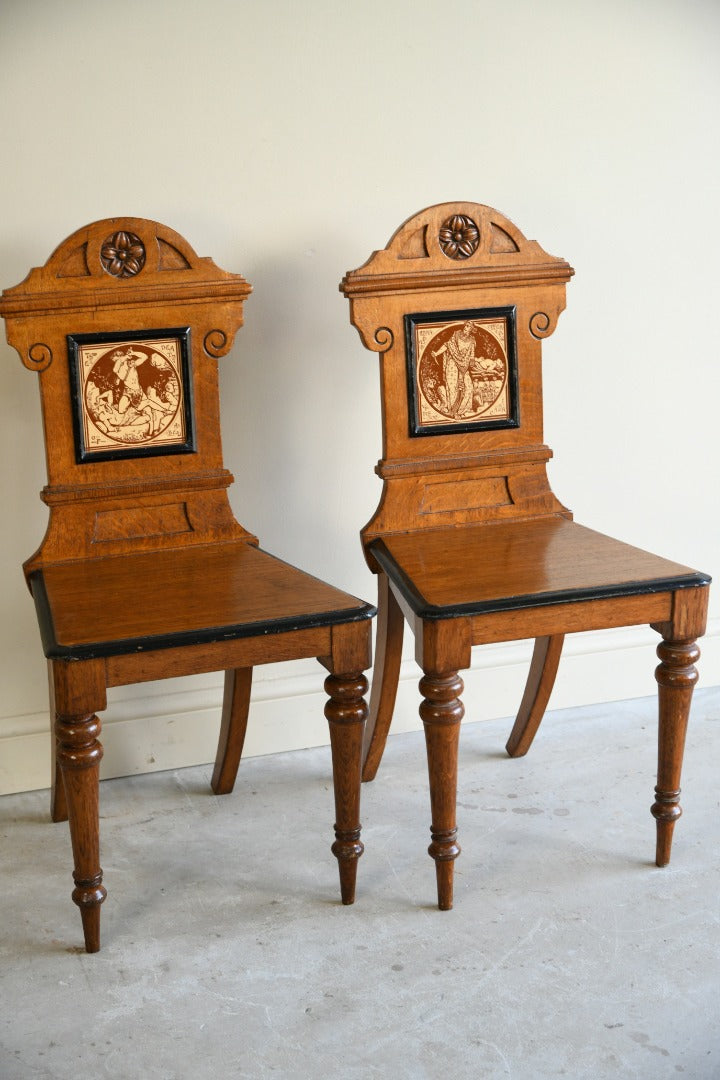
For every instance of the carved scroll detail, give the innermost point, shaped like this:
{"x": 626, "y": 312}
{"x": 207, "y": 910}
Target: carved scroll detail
{"x": 123, "y": 255}
{"x": 540, "y": 326}
{"x": 459, "y": 237}
{"x": 216, "y": 343}
{"x": 39, "y": 357}
{"x": 383, "y": 337}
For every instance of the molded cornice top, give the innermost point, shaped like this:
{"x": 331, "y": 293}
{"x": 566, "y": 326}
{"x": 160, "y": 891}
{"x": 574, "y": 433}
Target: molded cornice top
{"x": 453, "y": 245}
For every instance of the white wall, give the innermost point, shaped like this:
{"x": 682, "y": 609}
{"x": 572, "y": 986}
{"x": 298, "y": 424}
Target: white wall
{"x": 287, "y": 140}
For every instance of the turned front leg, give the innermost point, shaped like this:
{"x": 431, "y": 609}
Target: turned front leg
{"x": 441, "y": 712}
{"x": 346, "y": 712}
{"x": 78, "y": 755}
{"x": 676, "y": 677}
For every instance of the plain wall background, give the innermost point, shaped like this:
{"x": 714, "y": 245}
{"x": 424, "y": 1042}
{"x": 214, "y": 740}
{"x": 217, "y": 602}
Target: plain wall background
{"x": 287, "y": 141}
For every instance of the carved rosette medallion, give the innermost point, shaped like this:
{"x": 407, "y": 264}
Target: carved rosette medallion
{"x": 459, "y": 237}
{"x": 123, "y": 255}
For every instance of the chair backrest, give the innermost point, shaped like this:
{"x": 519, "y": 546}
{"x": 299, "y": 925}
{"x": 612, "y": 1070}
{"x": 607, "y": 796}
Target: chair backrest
{"x": 458, "y": 304}
{"x": 124, "y": 324}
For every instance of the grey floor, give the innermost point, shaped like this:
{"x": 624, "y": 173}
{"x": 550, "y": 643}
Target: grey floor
{"x": 227, "y": 954}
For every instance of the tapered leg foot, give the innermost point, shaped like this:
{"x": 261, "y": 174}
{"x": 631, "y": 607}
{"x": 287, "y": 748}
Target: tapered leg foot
{"x": 444, "y": 872}
{"x": 541, "y": 679}
{"x": 89, "y": 898}
{"x": 347, "y": 849}
{"x": 386, "y": 673}
{"x": 676, "y": 677}
{"x": 233, "y": 725}
{"x": 79, "y": 754}
{"x": 346, "y": 712}
{"x": 441, "y": 712}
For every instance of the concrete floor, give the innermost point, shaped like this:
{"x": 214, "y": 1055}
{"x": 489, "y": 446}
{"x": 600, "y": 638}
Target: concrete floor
{"x": 227, "y": 954}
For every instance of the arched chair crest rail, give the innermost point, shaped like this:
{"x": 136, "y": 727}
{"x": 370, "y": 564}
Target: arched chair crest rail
{"x": 469, "y": 543}
{"x": 144, "y": 573}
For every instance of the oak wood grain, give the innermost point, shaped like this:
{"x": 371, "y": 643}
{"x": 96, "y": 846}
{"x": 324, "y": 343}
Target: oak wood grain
{"x": 476, "y": 570}
{"x": 194, "y": 594}
{"x": 541, "y": 679}
{"x": 144, "y": 572}
{"x": 388, "y": 657}
{"x": 472, "y": 542}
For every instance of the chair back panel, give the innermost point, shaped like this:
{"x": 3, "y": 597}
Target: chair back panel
{"x": 124, "y": 324}
{"x": 458, "y": 305}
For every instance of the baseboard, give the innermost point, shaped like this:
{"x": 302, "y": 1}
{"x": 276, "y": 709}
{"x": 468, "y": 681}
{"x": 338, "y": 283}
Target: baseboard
{"x": 169, "y": 726}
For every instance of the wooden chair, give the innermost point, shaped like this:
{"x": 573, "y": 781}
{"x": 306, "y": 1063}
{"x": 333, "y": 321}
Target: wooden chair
{"x": 144, "y": 573}
{"x": 469, "y": 543}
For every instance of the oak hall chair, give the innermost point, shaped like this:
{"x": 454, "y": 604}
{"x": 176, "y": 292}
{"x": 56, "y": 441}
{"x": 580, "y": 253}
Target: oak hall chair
{"x": 144, "y": 573}
{"x": 469, "y": 543}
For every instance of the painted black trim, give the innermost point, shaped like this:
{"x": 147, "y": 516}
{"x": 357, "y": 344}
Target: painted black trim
{"x": 42, "y": 609}
{"x": 424, "y": 610}
{"x": 82, "y": 454}
{"x": 513, "y": 421}
{"x": 206, "y": 636}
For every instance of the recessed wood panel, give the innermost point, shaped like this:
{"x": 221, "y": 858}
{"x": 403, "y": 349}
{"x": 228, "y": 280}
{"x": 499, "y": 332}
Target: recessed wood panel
{"x": 134, "y": 522}
{"x": 446, "y": 496}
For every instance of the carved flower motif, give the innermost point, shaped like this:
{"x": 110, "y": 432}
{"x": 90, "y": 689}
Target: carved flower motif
{"x": 123, "y": 255}
{"x": 459, "y": 237}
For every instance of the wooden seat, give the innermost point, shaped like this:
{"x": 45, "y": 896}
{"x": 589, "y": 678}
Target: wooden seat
{"x": 469, "y": 543}
{"x": 144, "y": 573}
